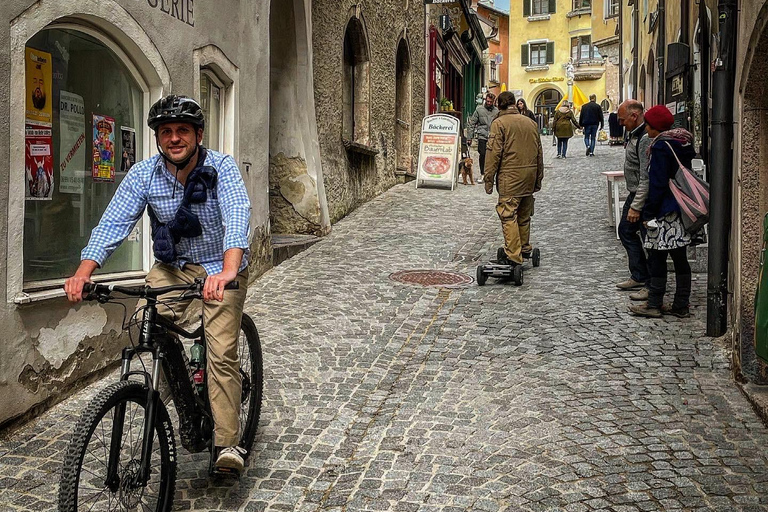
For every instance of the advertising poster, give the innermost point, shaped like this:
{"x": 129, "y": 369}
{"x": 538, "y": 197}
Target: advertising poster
{"x": 438, "y": 151}
{"x": 128, "y": 154}
{"x": 38, "y": 163}
{"x": 72, "y": 149}
{"x": 39, "y": 70}
{"x": 103, "y": 148}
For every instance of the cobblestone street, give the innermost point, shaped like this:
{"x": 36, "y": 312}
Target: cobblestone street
{"x": 544, "y": 397}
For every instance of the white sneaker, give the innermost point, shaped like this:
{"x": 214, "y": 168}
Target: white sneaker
{"x": 230, "y": 460}
{"x": 480, "y": 179}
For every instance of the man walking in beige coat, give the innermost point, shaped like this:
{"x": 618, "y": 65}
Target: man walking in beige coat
{"x": 515, "y": 164}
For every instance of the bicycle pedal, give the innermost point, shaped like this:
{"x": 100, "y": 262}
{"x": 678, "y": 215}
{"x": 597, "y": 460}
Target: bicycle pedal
{"x": 226, "y": 472}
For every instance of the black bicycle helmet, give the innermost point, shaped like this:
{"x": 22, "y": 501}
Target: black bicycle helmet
{"x": 175, "y": 109}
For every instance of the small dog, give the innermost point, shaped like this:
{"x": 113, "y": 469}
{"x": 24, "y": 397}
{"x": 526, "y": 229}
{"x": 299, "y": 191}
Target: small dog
{"x": 465, "y": 170}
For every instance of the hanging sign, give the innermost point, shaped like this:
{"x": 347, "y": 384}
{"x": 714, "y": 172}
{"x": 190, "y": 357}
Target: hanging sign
{"x": 103, "y": 148}
{"x": 38, "y": 162}
{"x": 438, "y": 152}
{"x": 72, "y": 148}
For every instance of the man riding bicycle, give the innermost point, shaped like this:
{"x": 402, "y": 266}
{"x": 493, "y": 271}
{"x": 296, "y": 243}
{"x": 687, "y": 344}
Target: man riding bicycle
{"x": 199, "y": 211}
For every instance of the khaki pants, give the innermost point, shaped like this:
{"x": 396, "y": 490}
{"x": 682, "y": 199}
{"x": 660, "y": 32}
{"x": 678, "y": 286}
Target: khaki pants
{"x": 515, "y": 214}
{"x": 222, "y": 334}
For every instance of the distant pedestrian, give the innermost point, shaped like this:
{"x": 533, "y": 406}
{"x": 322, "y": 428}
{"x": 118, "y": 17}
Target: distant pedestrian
{"x": 665, "y": 234}
{"x": 563, "y": 125}
{"x": 522, "y": 107}
{"x": 516, "y": 166}
{"x": 479, "y": 125}
{"x": 630, "y": 116}
{"x": 590, "y": 118}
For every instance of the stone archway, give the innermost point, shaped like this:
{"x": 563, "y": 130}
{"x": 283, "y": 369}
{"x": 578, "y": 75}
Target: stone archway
{"x": 403, "y": 108}
{"x": 297, "y": 204}
{"x": 544, "y": 105}
{"x": 751, "y": 199}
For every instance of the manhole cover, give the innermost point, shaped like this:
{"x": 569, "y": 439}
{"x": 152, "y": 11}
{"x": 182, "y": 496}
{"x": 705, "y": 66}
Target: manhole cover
{"x": 431, "y": 278}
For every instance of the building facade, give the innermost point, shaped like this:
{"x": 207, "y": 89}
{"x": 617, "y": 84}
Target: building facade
{"x": 319, "y": 107}
{"x": 497, "y": 34}
{"x": 606, "y": 38}
{"x": 545, "y": 36}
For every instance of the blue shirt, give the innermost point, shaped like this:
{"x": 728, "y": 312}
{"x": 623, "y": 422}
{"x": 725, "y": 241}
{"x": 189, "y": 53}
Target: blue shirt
{"x": 224, "y": 216}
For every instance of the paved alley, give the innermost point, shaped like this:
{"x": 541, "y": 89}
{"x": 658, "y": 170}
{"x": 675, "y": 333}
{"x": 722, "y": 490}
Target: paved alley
{"x": 384, "y": 396}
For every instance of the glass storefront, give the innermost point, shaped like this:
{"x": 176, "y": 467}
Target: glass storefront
{"x": 76, "y": 160}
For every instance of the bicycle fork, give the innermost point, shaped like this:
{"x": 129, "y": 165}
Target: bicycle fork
{"x": 141, "y": 477}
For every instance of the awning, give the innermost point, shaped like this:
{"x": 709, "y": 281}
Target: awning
{"x": 579, "y": 98}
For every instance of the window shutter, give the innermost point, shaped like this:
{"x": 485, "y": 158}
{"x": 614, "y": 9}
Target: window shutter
{"x": 552, "y": 6}
{"x": 524, "y": 57}
{"x": 526, "y": 8}
{"x": 551, "y": 52}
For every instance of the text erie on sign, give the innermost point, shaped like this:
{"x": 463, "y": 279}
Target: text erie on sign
{"x": 182, "y": 10}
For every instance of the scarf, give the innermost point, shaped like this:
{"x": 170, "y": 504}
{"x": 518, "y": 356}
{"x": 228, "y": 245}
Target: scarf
{"x": 680, "y": 135}
{"x": 185, "y": 224}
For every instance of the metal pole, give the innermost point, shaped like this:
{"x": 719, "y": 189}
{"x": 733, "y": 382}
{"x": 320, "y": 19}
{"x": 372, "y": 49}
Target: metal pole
{"x": 661, "y": 52}
{"x": 721, "y": 171}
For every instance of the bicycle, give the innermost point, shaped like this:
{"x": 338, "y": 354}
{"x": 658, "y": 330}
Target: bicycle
{"x": 110, "y": 463}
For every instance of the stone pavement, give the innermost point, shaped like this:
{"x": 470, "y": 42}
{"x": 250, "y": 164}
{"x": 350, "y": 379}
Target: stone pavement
{"x": 545, "y": 397}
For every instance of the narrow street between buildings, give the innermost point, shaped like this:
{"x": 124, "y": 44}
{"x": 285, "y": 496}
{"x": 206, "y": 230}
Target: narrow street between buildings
{"x": 382, "y": 396}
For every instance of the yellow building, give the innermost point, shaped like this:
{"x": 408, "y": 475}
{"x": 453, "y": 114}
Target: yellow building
{"x": 544, "y": 37}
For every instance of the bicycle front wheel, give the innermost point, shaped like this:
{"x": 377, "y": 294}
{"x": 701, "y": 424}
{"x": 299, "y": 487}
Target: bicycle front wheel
{"x": 85, "y": 483}
{"x": 252, "y": 373}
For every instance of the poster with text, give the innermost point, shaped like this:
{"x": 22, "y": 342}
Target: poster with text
{"x": 39, "y": 110}
{"x": 438, "y": 151}
{"x": 38, "y": 163}
{"x": 128, "y": 153}
{"x": 103, "y": 148}
{"x": 72, "y": 148}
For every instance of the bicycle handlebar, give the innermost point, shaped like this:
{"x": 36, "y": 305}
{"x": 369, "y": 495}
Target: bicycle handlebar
{"x": 145, "y": 291}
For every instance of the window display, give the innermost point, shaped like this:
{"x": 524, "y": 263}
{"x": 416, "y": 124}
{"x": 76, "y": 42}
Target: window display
{"x": 84, "y": 125}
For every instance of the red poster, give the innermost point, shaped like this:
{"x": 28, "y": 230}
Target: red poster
{"x": 38, "y": 158}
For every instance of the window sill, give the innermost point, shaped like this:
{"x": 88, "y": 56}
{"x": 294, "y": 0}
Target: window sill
{"x": 356, "y": 147}
{"x": 31, "y": 296}
{"x": 531, "y": 69}
{"x": 539, "y": 17}
{"x": 579, "y": 12}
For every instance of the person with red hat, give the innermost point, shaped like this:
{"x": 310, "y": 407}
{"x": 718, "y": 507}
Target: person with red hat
{"x": 664, "y": 232}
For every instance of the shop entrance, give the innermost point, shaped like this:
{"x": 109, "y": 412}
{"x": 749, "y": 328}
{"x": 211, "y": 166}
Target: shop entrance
{"x": 403, "y": 108}
{"x": 544, "y": 108}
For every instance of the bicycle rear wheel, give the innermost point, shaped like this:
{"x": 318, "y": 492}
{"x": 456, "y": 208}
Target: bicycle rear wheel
{"x": 252, "y": 373}
{"x": 84, "y": 475}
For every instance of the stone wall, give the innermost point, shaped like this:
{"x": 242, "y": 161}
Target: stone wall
{"x": 352, "y": 178}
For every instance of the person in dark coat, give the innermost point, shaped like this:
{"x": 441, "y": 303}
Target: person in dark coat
{"x": 522, "y": 107}
{"x": 590, "y": 118}
{"x": 665, "y": 234}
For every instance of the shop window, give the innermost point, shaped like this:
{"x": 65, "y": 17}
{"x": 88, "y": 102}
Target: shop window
{"x": 356, "y": 93}
{"x": 212, "y": 99}
{"x": 84, "y": 127}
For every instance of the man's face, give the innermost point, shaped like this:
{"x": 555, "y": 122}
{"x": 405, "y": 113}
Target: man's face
{"x": 628, "y": 118}
{"x": 178, "y": 140}
{"x": 38, "y": 89}
{"x": 488, "y": 101}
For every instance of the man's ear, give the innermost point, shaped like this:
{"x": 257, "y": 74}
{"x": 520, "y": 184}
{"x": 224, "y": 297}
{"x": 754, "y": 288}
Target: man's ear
{"x": 199, "y": 135}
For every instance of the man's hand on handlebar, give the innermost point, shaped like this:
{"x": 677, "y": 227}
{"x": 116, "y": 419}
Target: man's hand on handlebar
{"x": 214, "y": 285}
{"x": 74, "y": 285}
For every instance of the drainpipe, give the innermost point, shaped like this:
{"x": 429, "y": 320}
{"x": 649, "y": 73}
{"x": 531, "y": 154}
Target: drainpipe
{"x": 662, "y": 51}
{"x": 704, "y": 57}
{"x": 721, "y": 170}
{"x": 636, "y": 49}
{"x": 621, "y": 53}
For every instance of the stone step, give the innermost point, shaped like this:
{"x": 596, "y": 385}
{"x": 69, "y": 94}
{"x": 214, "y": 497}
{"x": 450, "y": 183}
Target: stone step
{"x": 287, "y": 246}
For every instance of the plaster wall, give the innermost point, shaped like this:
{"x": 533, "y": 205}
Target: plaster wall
{"x": 50, "y": 346}
{"x": 750, "y": 186}
{"x": 351, "y": 178}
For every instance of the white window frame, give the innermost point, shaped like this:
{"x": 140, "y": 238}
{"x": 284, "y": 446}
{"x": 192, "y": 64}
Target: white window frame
{"x": 215, "y": 64}
{"x": 530, "y": 51}
{"x": 546, "y": 8}
{"x": 21, "y": 33}
{"x": 607, "y": 14}
{"x": 214, "y": 79}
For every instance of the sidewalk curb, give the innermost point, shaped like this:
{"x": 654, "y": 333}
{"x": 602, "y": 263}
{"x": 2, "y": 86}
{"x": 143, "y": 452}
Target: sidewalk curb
{"x": 757, "y": 396}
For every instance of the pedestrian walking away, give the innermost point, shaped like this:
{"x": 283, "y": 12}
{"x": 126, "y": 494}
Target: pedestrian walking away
{"x": 200, "y": 212}
{"x": 665, "y": 234}
{"x": 522, "y": 107}
{"x": 631, "y": 117}
{"x": 516, "y": 166}
{"x": 591, "y": 119}
{"x": 479, "y": 127}
{"x": 563, "y": 123}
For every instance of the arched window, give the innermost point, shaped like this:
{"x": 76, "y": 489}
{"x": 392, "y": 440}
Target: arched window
{"x": 606, "y": 105}
{"x": 84, "y": 125}
{"x": 356, "y": 95}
